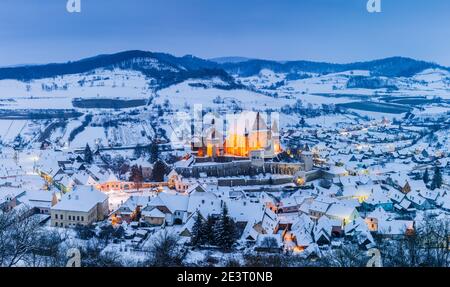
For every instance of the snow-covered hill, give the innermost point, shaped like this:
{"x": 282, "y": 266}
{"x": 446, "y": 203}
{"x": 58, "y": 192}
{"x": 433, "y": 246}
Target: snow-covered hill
{"x": 58, "y": 92}
{"x": 130, "y": 96}
{"x": 189, "y": 80}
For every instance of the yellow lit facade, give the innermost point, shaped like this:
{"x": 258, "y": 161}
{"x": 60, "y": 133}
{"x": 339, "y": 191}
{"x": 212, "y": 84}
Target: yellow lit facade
{"x": 250, "y": 132}
{"x": 247, "y": 132}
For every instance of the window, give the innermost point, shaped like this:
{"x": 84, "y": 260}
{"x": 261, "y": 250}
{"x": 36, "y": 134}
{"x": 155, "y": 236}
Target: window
{"x": 70, "y": 218}
{"x": 82, "y": 218}
{"x": 56, "y": 216}
{"x": 78, "y": 218}
{"x": 62, "y": 217}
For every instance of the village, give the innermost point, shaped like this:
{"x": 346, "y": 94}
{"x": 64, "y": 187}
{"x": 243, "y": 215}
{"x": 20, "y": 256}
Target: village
{"x": 304, "y": 192}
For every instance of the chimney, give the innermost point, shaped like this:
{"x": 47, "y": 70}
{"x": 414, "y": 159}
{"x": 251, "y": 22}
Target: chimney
{"x": 54, "y": 199}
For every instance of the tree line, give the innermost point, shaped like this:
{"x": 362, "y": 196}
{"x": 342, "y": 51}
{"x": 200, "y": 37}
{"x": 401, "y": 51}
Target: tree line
{"x": 220, "y": 232}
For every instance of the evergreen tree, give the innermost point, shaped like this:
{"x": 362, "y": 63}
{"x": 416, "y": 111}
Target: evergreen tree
{"x": 159, "y": 170}
{"x": 119, "y": 232}
{"x": 208, "y": 230}
{"x": 137, "y": 151}
{"x": 437, "y": 179}
{"x": 141, "y": 173}
{"x": 133, "y": 173}
{"x": 302, "y": 122}
{"x": 197, "y": 237}
{"x": 154, "y": 152}
{"x": 136, "y": 176}
{"x": 426, "y": 177}
{"x": 225, "y": 235}
{"x": 88, "y": 154}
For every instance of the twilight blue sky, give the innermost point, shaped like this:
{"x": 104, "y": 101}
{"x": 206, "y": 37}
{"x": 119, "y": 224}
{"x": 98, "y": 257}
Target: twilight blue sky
{"x": 40, "y": 31}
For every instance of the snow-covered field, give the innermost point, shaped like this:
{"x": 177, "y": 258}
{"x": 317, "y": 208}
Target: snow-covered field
{"x": 341, "y": 134}
{"x": 267, "y": 90}
{"x": 91, "y": 135}
{"x": 57, "y": 93}
{"x": 328, "y": 121}
{"x": 9, "y": 129}
{"x": 181, "y": 94}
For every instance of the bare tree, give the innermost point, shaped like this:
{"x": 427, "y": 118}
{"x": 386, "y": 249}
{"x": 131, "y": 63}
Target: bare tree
{"x": 402, "y": 252}
{"x": 18, "y": 236}
{"x": 47, "y": 250}
{"x": 349, "y": 255}
{"x": 269, "y": 243}
{"x": 93, "y": 254}
{"x": 166, "y": 251}
{"x": 427, "y": 246}
{"x": 434, "y": 235}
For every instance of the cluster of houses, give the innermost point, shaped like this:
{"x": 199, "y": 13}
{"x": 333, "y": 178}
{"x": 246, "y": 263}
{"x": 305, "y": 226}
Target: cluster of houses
{"x": 67, "y": 170}
{"x": 347, "y": 207}
{"x": 352, "y": 184}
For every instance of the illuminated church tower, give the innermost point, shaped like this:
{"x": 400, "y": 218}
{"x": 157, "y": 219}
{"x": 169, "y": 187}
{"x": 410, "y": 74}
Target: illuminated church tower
{"x": 273, "y": 135}
{"x": 249, "y": 131}
{"x": 210, "y": 143}
{"x": 246, "y": 132}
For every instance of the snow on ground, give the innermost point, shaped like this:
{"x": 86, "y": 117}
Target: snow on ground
{"x": 10, "y": 129}
{"x": 377, "y": 115}
{"x": 183, "y": 93}
{"x": 129, "y": 134}
{"x": 73, "y": 124}
{"x": 92, "y": 135}
{"x": 40, "y": 103}
{"x": 328, "y": 121}
{"x": 431, "y": 82}
{"x": 436, "y": 79}
{"x": 288, "y": 120}
{"x": 57, "y": 93}
{"x": 319, "y": 100}
{"x": 433, "y": 110}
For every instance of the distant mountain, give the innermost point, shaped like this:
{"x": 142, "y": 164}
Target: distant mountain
{"x": 389, "y": 67}
{"x": 225, "y": 60}
{"x": 165, "y": 69}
